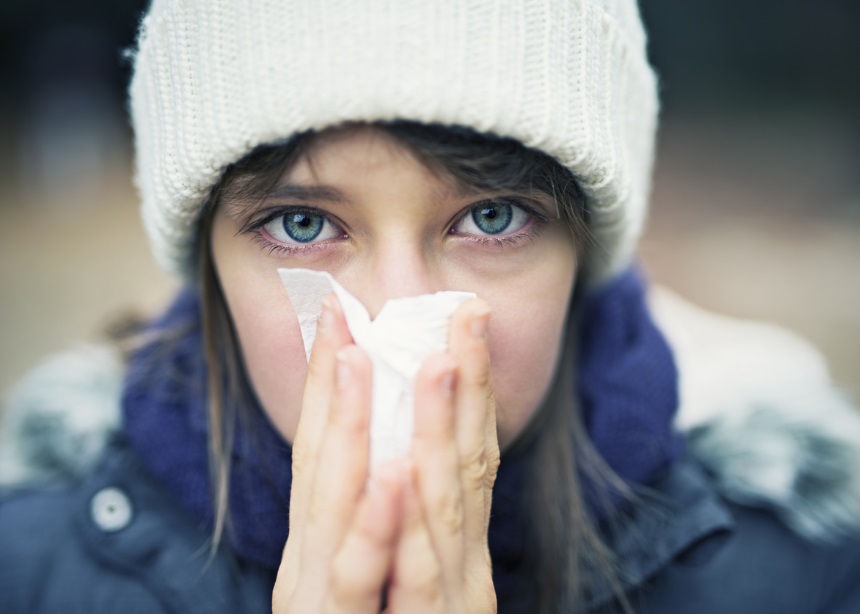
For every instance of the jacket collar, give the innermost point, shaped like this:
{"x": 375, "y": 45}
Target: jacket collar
{"x": 680, "y": 509}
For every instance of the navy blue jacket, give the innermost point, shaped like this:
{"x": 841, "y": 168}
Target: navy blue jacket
{"x": 68, "y": 548}
{"x": 761, "y": 515}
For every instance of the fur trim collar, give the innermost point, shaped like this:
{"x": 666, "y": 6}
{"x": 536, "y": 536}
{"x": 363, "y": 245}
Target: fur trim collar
{"x": 58, "y": 419}
{"x": 760, "y": 412}
{"x": 757, "y": 406}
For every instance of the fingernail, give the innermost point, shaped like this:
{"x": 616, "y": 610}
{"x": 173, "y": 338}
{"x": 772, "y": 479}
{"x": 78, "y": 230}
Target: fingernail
{"x": 327, "y": 314}
{"x": 479, "y": 323}
{"x": 342, "y": 373}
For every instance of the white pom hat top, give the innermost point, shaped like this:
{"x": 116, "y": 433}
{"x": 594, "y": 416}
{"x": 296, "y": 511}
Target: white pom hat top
{"x": 213, "y": 79}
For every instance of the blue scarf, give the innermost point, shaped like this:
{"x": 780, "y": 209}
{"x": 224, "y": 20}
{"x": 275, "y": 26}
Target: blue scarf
{"x": 627, "y": 387}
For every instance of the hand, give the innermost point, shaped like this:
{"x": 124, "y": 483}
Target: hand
{"x": 442, "y": 562}
{"x": 342, "y": 535}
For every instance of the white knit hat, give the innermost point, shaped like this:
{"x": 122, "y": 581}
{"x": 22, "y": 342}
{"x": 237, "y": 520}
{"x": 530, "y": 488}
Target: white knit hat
{"x": 215, "y": 78}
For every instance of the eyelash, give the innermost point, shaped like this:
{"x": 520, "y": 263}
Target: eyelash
{"x": 529, "y": 233}
{"x": 259, "y": 235}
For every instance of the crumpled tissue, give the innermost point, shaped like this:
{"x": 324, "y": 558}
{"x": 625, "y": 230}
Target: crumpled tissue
{"x": 402, "y": 335}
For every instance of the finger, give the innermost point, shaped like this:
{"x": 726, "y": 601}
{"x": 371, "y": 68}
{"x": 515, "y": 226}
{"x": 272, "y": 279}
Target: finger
{"x": 477, "y": 441}
{"x": 364, "y": 560}
{"x": 436, "y": 463}
{"x": 493, "y": 459}
{"x": 341, "y": 472}
{"x": 416, "y": 581}
{"x": 332, "y": 334}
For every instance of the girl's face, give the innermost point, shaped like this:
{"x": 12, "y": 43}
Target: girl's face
{"x": 361, "y": 206}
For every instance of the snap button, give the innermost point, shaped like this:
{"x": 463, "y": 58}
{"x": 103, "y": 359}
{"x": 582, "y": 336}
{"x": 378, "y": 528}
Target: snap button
{"x": 110, "y": 509}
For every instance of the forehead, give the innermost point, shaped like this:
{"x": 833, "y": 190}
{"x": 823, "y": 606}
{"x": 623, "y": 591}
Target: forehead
{"x": 354, "y": 159}
{"x": 349, "y": 162}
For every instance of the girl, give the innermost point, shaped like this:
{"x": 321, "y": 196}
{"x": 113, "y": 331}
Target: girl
{"x": 407, "y": 148}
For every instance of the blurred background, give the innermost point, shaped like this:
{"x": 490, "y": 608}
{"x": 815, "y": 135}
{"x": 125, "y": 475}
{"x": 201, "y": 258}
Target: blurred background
{"x": 756, "y": 202}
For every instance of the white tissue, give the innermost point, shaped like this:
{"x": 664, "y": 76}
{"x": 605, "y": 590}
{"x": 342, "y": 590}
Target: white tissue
{"x": 404, "y": 333}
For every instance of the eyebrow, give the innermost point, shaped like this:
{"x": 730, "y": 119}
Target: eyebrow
{"x": 240, "y": 206}
{"x": 307, "y": 192}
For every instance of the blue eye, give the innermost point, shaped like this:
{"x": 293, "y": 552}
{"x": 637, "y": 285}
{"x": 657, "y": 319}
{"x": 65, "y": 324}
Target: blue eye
{"x": 492, "y": 218}
{"x": 301, "y": 227}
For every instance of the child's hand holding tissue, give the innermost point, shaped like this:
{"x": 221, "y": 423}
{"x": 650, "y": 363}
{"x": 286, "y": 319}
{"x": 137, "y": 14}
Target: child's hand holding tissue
{"x": 420, "y": 518}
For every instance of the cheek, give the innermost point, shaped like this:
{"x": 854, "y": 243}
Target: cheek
{"x": 525, "y": 345}
{"x": 269, "y": 336}
{"x": 274, "y": 356}
{"x": 524, "y": 352}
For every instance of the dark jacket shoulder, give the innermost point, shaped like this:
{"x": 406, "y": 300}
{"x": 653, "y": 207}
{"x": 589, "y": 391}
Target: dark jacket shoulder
{"x": 692, "y": 550}
{"x": 113, "y": 541}
{"x": 759, "y": 566}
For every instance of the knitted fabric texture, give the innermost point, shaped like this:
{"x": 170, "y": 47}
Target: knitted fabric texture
{"x": 215, "y": 78}
{"x": 627, "y": 390}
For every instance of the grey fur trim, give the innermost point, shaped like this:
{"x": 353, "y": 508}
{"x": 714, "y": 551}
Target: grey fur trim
{"x": 761, "y": 412}
{"x": 58, "y": 419}
{"x": 796, "y": 452}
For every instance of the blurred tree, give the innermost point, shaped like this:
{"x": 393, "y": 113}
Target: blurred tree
{"x": 719, "y": 53}
{"x": 23, "y": 23}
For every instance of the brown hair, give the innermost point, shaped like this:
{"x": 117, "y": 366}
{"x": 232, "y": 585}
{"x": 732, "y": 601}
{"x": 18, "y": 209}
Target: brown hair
{"x": 563, "y": 539}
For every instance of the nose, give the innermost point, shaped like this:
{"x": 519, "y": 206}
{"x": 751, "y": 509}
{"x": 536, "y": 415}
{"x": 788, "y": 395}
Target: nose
{"x": 395, "y": 271}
